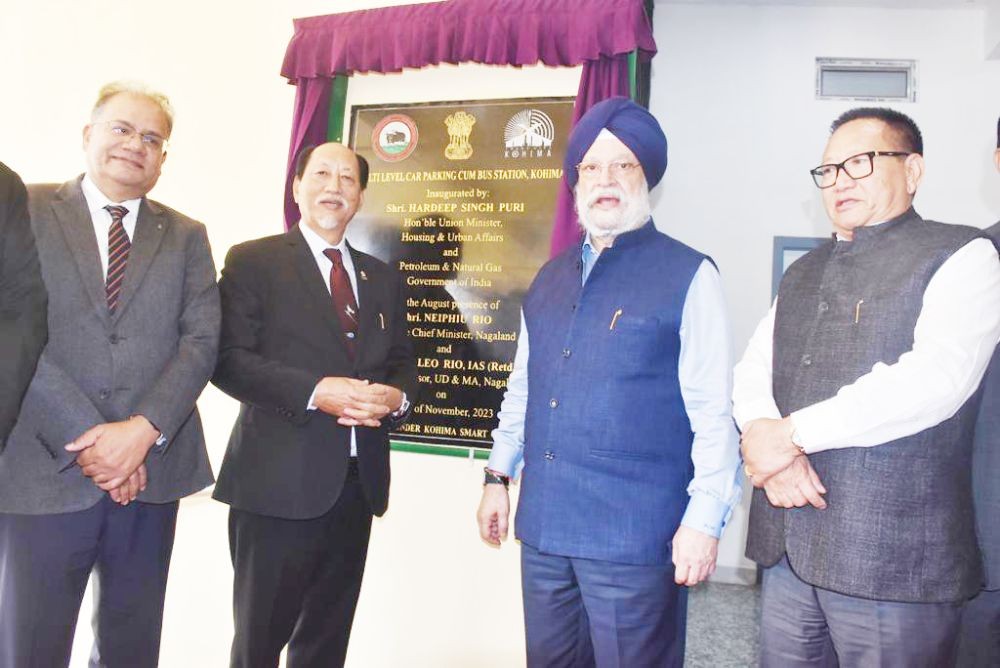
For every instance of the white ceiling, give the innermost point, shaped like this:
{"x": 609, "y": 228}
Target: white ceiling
{"x": 894, "y": 4}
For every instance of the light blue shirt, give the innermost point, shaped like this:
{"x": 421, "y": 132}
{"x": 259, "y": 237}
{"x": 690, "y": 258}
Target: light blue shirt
{"x": 705, "y": 373}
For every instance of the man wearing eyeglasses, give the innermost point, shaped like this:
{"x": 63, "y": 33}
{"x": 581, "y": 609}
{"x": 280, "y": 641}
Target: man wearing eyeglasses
{"x": 619, "y": 416}
{"x": 857, "y": 398}
{"x": 979, "y": 646}
{"x": 108, "y": 437}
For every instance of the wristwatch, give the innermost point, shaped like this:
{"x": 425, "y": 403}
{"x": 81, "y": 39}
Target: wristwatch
{"x": 494, "y": 478}
{"x": 403, "y": 407}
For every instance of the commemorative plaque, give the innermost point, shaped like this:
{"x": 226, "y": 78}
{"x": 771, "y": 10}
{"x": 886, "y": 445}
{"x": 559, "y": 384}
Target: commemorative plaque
{"x": 460, "y": 199}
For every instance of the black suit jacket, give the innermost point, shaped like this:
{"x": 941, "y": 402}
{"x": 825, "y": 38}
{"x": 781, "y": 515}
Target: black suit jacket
{"x": 22, "y": 299}
{"x": 280, "y": 336}
{"x": 986, "y": 464}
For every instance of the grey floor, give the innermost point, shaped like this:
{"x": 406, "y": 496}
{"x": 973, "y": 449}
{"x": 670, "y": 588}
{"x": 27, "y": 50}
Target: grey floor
{"x": 722, "y": 628}
{"x": 197, "y": 627}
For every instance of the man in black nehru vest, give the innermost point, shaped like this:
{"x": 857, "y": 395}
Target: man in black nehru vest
{"x": 857, "y": 399}
{"x": 980, "y": 639}
{"x": 314, "y": 344}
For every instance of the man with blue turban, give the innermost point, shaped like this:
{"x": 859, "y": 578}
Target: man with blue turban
{"x": 619, "y": 418}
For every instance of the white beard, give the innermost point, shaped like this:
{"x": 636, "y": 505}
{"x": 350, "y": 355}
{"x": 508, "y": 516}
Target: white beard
{"x": 609, "y": 224}
{"x": 327, "y": 222}
{"x": 326, "y": 219}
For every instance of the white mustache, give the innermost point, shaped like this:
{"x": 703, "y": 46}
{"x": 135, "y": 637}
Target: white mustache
{"x": 611, "y": 191}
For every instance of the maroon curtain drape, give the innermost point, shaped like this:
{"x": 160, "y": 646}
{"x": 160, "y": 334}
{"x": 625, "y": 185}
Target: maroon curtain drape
{"x": 596, "y": 33}
{"x": 309, "y": 128}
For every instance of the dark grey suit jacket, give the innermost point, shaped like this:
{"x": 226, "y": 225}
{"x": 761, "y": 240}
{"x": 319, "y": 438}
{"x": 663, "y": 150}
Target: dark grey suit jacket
{"x": 22, "y": 299}
{"x": 152, "y": 357}
{"x": 986, "y": 465}
{"x": 280, "y": 337}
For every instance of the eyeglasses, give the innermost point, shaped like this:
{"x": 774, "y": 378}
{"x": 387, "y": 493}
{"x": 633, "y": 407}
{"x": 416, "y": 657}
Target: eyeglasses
{"x": 857, "y": 167}
{"x": 618, "y": 169}
{"x": 125, "y": 132}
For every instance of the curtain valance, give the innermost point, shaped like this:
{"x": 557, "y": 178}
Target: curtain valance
{"x": 494, "y": 32}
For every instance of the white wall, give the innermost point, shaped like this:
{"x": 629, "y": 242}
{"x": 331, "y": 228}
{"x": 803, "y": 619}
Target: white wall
{"x": 734, "y": 87}
{"x": 991, "y": 29}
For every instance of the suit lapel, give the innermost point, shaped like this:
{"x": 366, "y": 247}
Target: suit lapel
{"x": 314, "y": 284}
{"x": 150, "y": 227}
{"x": 73, "y": 216}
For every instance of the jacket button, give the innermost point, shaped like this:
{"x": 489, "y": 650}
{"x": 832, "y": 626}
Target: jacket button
{"x": 806, "y": 360}
{"x": 823, "y": 307}
{"x": 113, "y": 339}
{"x": 549, "y": 455}
{"x": 567, "y": 352}
{"x": 104, "y": 394}
{"x": 553, "y": 403}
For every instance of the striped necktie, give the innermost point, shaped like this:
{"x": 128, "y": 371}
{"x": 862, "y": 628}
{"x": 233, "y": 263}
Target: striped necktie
{"x": 343, "y": 298}
{"x": 118, "y": 248}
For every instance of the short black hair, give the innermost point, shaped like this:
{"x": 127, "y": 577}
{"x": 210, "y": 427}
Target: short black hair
{"x": 303, "y": 159}
{"x": 900, "y": 123}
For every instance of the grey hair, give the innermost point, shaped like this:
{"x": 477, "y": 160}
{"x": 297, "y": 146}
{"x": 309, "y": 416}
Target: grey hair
{"x": 108, "y": 91}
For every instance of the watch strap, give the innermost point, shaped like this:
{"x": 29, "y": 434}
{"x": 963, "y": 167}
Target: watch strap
{"x": 494, "y": 478}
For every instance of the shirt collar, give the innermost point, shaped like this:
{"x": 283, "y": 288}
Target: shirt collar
{"x": 97, "y": 200}
{"x": 318, "y": 244}
{"x": 639, "y": 232}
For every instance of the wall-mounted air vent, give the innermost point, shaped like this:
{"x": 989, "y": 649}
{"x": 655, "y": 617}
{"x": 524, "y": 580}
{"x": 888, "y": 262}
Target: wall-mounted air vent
{"x": 870, "y": 80}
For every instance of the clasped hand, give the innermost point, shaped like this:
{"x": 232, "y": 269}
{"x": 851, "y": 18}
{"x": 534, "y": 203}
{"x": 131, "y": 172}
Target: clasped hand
{"x": 776, "y": 465}
{"x": 112, "y": 455}
{"x": 356, "y": 403}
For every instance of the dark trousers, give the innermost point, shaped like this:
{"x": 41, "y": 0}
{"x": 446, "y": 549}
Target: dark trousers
{"x": 580, "y": 613}
{"x": 45, "y": 562}
{"x": 805, "y": 626}
{"x": 297, "y": 582}
{"x": 979, "y": 640}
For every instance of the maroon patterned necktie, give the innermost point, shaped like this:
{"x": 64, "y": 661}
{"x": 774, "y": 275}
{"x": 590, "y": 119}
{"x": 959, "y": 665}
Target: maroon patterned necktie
{"x": 118, "y": 248}
{"x": 343, "y": 298}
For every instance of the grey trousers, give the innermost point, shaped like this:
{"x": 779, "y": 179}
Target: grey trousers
{"x": 979, "y": 641}
{"x": 803, "y": 625}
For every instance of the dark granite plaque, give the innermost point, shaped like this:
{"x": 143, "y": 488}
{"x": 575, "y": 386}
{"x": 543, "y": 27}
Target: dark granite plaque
{"x": 460, "y": 199}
